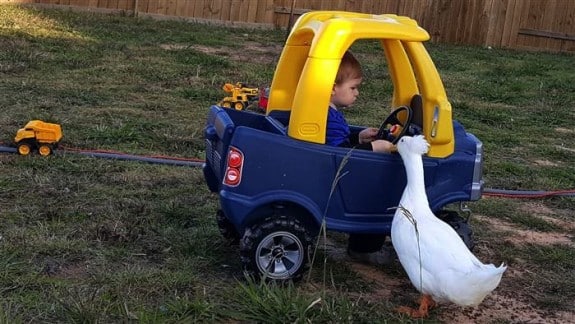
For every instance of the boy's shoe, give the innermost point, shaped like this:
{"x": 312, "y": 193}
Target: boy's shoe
{"x": 384, "y": 256}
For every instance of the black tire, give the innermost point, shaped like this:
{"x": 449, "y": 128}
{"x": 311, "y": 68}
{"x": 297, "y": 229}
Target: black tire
{"x": 460, "y": 225}
{"x": 276, "y": 249}
{"x": 227, "y": 229}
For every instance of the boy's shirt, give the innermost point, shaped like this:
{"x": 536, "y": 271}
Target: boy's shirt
{"x": 337, "y": 131}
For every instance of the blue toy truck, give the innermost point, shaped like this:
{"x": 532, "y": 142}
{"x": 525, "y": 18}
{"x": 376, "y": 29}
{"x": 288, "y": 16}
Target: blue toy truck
{"x": 278, "y": 182}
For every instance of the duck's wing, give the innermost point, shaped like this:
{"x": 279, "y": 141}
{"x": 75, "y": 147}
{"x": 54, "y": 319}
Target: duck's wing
{"x": 429, "y": 246}
{"x": 459, "y": 275}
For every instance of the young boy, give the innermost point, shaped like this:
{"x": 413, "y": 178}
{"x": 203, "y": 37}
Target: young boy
{"x": 344, "y": 94}
{"x": 361, "y": 247}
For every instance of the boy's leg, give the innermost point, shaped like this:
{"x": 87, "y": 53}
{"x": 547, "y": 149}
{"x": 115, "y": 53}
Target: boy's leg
{"x": 370, "y": 248}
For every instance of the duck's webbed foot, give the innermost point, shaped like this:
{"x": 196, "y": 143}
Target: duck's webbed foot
{"x": 425, "y": 304}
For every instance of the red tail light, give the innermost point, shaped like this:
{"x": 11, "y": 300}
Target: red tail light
{"x": 235, "y": 158}
{"x": 233, "y": 174}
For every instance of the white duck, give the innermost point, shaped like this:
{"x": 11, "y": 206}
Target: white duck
{"x": 438, "y": 263}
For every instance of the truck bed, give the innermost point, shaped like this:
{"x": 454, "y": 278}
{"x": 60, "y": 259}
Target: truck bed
{"x": 221, "y": 125}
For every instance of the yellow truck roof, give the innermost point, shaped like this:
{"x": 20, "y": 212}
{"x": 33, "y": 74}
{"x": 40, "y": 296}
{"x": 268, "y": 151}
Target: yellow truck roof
{"x": 306, "y": 71}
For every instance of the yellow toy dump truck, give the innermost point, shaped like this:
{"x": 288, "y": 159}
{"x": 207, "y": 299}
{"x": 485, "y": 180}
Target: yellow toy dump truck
{"x": 38, "y": 135}
{"x": 240, "y": 96}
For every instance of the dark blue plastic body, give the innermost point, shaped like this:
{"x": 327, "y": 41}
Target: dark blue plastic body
{"x": 280, "y": 170}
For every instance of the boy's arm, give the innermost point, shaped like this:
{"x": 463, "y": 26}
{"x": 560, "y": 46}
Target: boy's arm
{"x": 374, "y": 145}
{"x": 354, "y": 141}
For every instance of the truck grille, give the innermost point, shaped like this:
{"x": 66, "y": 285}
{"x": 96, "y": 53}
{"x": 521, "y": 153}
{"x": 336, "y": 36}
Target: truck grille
{"x": 213, "y": 157}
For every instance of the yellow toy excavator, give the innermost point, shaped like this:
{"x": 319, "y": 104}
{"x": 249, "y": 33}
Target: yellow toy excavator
{"x": 240, "y": 97}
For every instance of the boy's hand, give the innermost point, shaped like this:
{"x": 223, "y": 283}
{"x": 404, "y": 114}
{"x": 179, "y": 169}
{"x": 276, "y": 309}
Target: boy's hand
{"x": 383, "y": 146}
{"x": 367, "y": 135}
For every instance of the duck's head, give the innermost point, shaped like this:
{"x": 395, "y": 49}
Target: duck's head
{"x": 412, "y": 145}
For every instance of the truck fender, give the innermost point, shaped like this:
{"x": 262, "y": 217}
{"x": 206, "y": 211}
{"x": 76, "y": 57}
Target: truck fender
{"x": 306, "y": 210}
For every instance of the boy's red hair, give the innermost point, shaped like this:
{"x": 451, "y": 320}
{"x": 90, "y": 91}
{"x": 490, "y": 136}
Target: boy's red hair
{"x": 349, "y": 69}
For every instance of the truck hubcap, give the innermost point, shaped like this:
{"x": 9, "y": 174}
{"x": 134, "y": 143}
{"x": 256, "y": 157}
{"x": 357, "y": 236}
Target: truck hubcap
{"x": 24, "y": 149}
{"x": 279, "y": 255}
{"x": 44, "y": 150}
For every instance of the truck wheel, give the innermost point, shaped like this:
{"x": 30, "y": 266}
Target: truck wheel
{"x": 24, "y": 148}
{"x": 276, "y": 248}
{"x": 239, "y": 105}
{"x": 227, "y": 104}
{"x": 460, "y": 225}
{"x": 227, "y": 229}
{"x": 45, "y": 149}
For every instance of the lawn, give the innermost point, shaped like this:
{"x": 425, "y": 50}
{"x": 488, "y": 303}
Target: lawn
{"x": 89, "y": 240}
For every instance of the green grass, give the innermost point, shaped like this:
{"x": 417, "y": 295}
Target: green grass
{"x": 96, "y": 240}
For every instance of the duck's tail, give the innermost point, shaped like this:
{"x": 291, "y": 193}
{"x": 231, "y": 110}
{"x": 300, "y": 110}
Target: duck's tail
{"x": 478, "y": 283}
{"x": 492, "y": 276}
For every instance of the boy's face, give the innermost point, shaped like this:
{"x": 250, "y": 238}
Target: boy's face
{"x": 345, "y": 93}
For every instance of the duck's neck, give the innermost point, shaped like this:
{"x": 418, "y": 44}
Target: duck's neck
{"x": 415, "y": 179}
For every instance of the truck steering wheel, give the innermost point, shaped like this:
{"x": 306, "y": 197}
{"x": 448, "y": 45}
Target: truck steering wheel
{"x": 387, "y": 130}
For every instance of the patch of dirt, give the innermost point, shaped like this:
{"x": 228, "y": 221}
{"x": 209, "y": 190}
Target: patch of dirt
{"x": 565, "y": 148}
{"x": 498, "y": 307}
{"x": 77, "y": 271}
{"x": 383, "y": 285}
{"x": 518, "y": 236}
{"x": 545, "y": 163}
{"x": 248, "y": 52}
{"x": 507, "y": 303}
{"x": 173, "y": 47}
{"x": 546, "y": 214}
{"x": 54, "y": 268}
{"x": 564, "y": 130}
